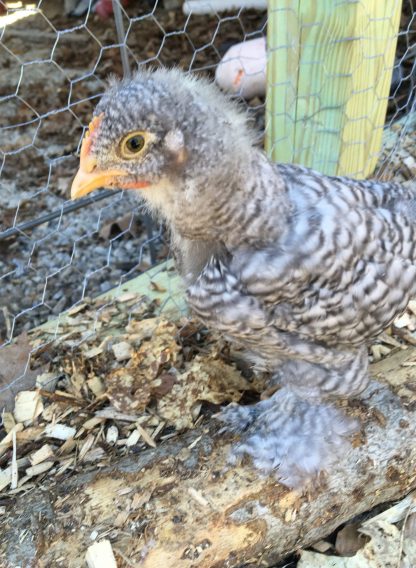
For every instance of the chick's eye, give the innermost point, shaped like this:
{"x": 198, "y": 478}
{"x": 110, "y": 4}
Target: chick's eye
{"x": 133, "y": 144}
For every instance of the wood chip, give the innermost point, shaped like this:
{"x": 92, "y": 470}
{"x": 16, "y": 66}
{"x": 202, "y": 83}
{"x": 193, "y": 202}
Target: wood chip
{"x": 93, "y": 422}
{"x": 67, "y": 447}
{"x": 96, "y": 386}
{"x": 5, "y": 477}
{"x": 112, "y": 414}
{"x": 94, "y": 454}
{"x": 77, "y": 309}
{"x": 59, "y": 431}
{"x": 87, "y": 444}
{"x": 127, "y": 297}
{"x": 124, "y": 491}
{"x": 133, "y": 438}
{"x": 23, "y": 462}
{"x": 28, "y": 405}
{"x": 93, "y": 352}
{"x": 405, "y": 334}
{"x": 39, "y": 468}
{"x": 140, "y": 499}
{"x": 8, "y": 421}
{"x": 112, "y": 435}
{"x": 7, "y": 440}
{"x": 403, "y": 321}
{"x": 65, "y": 465}
{"x": 46, "y": 452}
{"x": 121, "y": 519}
{"x": 145, "y": 436}
{"x": 100, "y": 555}
{"x": 122, "y": 351}
{"x": 385, "y": 338}
{"x": 410, "y": 162}
{"x": 412, "y": 306}
{"x": 47, "y": 381}
{"x": 322, "y": 546}
{"x": 198, "y": 497}
{"x": 379, "y": 351}
{"x": 194, "y": 443}
{"x": 29, "y": 434}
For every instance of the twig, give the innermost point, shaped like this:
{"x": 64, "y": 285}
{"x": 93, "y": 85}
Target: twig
{"x": 402, "y": 537}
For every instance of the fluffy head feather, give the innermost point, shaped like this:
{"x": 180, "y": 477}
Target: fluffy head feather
{"x": 193, "y": 124}
{"x": 197, "y": 160}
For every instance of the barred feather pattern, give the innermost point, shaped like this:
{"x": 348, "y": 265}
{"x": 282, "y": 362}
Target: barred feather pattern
{"x": 299, "y": 268}
{"x": 305, "y": 305}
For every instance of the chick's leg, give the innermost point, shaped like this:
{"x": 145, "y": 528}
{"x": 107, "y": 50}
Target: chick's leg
{"x": 298, "y": 432}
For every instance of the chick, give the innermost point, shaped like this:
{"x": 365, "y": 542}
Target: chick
{"x": 299, "y": 268}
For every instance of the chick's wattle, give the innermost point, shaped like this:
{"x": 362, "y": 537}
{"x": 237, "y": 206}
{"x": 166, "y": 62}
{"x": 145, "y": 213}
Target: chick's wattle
{"x": 300, "y": 268}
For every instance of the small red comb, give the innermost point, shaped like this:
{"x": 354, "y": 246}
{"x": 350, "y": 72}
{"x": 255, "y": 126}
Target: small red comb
{"x": 88, "y": 138}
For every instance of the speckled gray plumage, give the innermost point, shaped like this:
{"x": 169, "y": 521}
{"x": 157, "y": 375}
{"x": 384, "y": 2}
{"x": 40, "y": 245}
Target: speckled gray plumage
{"x": 300, "y": 268}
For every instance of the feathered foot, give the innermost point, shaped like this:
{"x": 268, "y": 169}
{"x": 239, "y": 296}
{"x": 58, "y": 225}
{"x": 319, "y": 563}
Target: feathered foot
{"x": 290, "y": 436}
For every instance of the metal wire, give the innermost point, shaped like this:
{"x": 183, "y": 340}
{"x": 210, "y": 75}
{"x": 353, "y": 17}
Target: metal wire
{"x": 65, "y": 209}
{"x": 53, "y": 71}
{"x": 121, "y": 34}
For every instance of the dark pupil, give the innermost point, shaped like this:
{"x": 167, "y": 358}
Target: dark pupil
{"x": 135, "y": 143}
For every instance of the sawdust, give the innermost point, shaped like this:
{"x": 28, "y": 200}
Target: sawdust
{"x": 116, "y": 379}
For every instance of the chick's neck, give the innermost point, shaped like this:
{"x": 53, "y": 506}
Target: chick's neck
{"x": 242, "y": 205}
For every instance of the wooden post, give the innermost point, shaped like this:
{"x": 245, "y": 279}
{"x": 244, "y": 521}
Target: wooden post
{"x": 329, "y": 73}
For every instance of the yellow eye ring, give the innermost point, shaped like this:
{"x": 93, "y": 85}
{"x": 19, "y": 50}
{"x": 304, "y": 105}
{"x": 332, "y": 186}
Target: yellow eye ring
{"x": 133, "y": 144}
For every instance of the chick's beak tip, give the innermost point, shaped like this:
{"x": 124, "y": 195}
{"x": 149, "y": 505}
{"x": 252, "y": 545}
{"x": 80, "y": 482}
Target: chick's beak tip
{"x": 85, "y": 181}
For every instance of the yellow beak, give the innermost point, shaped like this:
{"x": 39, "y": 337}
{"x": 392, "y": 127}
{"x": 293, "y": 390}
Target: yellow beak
{"x": 86, "y": 180}
{"x": 89, "y": 177}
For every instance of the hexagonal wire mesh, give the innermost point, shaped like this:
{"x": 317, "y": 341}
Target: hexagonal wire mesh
{"x": 55, "y": 61}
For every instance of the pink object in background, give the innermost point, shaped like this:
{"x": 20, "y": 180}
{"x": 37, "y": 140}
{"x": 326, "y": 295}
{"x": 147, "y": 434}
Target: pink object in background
{"x": 242, "y": 70}
{"x": 104, "y": 8}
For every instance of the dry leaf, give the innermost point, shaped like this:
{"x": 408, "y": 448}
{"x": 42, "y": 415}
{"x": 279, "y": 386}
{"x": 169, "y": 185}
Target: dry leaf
{"x": 206, "y": 379}
{"x": 127, "y": 391}
{"x": 127, "y": 222}
{"x": 385, "y": 542}
{"x": 14, "y": 359}
{"x": 349, "y": 540}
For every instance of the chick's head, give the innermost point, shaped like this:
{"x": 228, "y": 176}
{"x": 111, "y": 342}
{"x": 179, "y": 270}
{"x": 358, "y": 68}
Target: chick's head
{"x": 158, "y": 132}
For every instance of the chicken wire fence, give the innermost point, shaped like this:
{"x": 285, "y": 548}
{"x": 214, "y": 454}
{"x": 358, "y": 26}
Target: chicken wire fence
{"x": 55, "y": 58}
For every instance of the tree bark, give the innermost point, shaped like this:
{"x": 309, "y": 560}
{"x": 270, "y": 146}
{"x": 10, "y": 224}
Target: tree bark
{"x": 179, "y": 505}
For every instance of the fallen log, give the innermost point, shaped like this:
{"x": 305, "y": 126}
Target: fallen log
{"x": 179, "y": 505}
